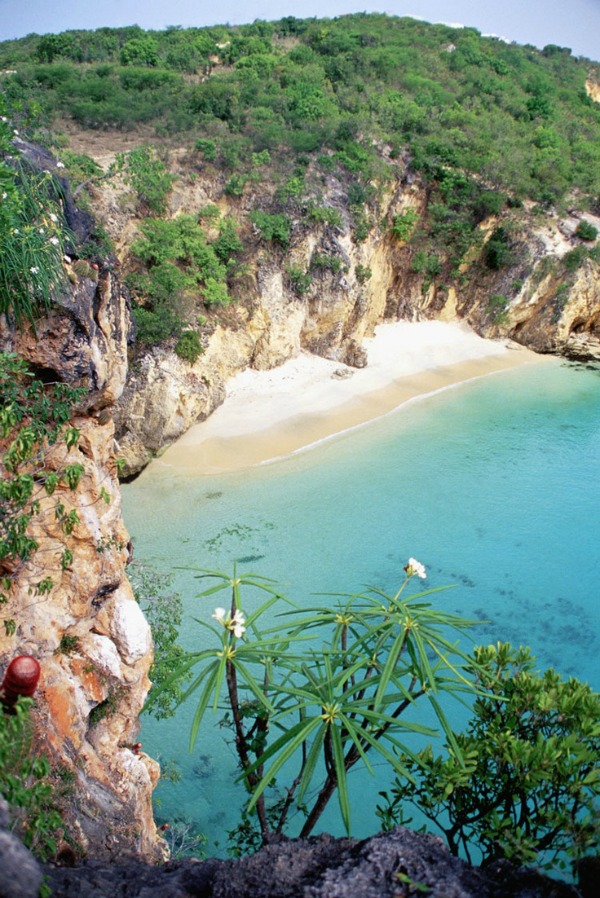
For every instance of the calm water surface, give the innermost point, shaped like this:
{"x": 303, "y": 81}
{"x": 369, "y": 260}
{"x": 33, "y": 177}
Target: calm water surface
{"x": 493, "y": 485}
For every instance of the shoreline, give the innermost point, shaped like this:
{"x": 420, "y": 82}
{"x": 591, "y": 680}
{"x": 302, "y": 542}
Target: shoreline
{"x": 269, "y": 415}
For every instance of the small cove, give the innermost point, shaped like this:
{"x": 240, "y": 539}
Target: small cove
{"x": 493, "y": 485}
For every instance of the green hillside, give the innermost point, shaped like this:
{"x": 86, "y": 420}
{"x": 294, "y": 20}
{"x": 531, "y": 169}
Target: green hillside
{"x": 515, "y": 116}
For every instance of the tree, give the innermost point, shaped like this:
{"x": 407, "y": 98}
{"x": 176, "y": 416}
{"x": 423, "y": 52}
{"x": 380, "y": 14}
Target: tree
{"x": 322, "y": 689}
{"x": 525, "y": 783}
{"x": 140, "y": 51}
{"x": 586, "y": 231}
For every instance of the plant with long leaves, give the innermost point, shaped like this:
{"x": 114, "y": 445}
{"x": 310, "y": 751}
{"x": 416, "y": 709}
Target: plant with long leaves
{"x": 324, "y": 688}
{"x": 33, "y": 233}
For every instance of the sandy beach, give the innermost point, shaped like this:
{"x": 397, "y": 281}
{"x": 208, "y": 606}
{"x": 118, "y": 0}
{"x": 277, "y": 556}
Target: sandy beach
{"x": 270, "y": 414}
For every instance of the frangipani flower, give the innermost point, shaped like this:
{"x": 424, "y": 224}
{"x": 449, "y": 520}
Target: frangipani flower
{"x": 415, "y": 567}
{"x": 235, "y": 624}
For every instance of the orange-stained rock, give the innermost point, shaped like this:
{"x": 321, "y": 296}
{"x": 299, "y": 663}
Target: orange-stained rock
{"x": 92, "y": 682}
{"x": 94, "y": 651}
{"x": 64, "y": 726}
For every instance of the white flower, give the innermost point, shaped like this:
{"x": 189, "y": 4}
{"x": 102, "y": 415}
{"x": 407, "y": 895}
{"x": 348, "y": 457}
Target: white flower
{"x": 220, "y": 615}
{"x": 3, "y": 118}
{"x": 15, "y": 230}
{"x": 60, "y": 164}
{"x": 67, "y": 258}
{"x": 54, "y": 241}
{"x": 4, "y": 195}
{"x": 42, "y": 231}
{"x": 235, "y": 624}
{"x": 415, "y": 567}
{"x": 53, "y": 217}
{"x": 34, "y": 269}
{"x": 15, "y": 132}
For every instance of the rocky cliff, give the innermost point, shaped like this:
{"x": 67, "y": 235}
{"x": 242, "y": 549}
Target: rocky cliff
{"x": 545, "y": 295}
{"x": 88, "y": 632}
{"x": 398, "y": 864}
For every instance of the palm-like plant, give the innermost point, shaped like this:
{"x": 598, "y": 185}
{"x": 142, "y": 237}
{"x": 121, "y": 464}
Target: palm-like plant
{"x": 324, "y": 688}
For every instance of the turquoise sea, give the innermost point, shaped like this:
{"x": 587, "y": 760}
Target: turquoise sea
{"x": 493, "y": 485}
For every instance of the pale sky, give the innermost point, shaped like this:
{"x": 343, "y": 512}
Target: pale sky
{"x": 568, "y": 23}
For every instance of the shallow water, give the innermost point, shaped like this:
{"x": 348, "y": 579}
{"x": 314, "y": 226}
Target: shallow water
{"x": 493, "y": 485}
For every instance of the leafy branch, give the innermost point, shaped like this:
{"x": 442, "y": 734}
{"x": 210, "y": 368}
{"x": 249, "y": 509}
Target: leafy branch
{"x": 34, "y": 416}
{"x": 322, "y": 689}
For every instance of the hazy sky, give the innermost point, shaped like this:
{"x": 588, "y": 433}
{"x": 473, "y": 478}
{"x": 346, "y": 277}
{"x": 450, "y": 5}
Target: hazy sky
{"x": 568, "y": 23}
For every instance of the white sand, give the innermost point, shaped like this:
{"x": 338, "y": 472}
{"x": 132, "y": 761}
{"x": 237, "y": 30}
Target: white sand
{"x": 268, "y": 414}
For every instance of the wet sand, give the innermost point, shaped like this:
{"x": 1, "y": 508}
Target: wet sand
{"x": 271, "y": 414}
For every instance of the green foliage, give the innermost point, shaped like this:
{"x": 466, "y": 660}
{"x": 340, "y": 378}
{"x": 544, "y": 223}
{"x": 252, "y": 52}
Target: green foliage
{"x": 363, "y": 273}
{"x": 326, "y": 262}
{"x": 496, "y": 308}
{"x": 68, "y": 644}
{"x": 227, "y": 245}
{"x": 163, "y": 610}
{"x": 107, "y": 707}
{"x": 274, "y": 228}
{"x": 148, "y": 176}
{"x": 81, "y": 167}
{"x": 234, "y": 185}
{"x": 403, "y": 225}
{"x": 429, "y": 265}
{"x": 33, "y": 417}
{"x": 517, "y": 120}
{"x": 140, "y": 51}
{"x": 214, "y": 293}
{"x": 153, "y": 326}
{"x": 574, "y": 258}
{"x": 180, "y": 264}
{"x": 526, "y": 782}
{"x": 497, "y": 252}
{"x": 326, "y": 214}
{"x": 209, "y": 213}
{"x": 32, "y": 236}
{"x": 292, "y": 189}
{"x": 586, "y": 231}
{"x": 189, "y": 347}
{"x": 560, "y": 300}
{"x": 322, "y": 688}
{"x": 300, "y": 280}
{"x": 208, "y": 148}
{"x": 24, "y": 783}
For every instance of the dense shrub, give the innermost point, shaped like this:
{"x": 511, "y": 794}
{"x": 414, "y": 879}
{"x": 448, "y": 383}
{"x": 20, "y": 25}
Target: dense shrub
{"x": 275, "y": 228}
{"x": 586, "y": 231}
{"x": 498, "y": 252}
{"x": 521, "y": 782}
{"x": 148, "y": 176}
{"x": 189, "y": 347}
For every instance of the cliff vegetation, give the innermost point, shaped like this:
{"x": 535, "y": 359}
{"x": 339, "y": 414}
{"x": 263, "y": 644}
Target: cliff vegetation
{"x": 179, "y": 205}
{"x": 288, "y": 185}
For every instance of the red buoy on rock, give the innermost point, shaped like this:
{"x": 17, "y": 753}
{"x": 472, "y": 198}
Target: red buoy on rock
{"x": 21, "y": 678}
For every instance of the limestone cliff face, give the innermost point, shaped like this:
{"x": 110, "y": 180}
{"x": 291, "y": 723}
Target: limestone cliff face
{"x": 88, "y": 632}
{"x": 544, "y": 298}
